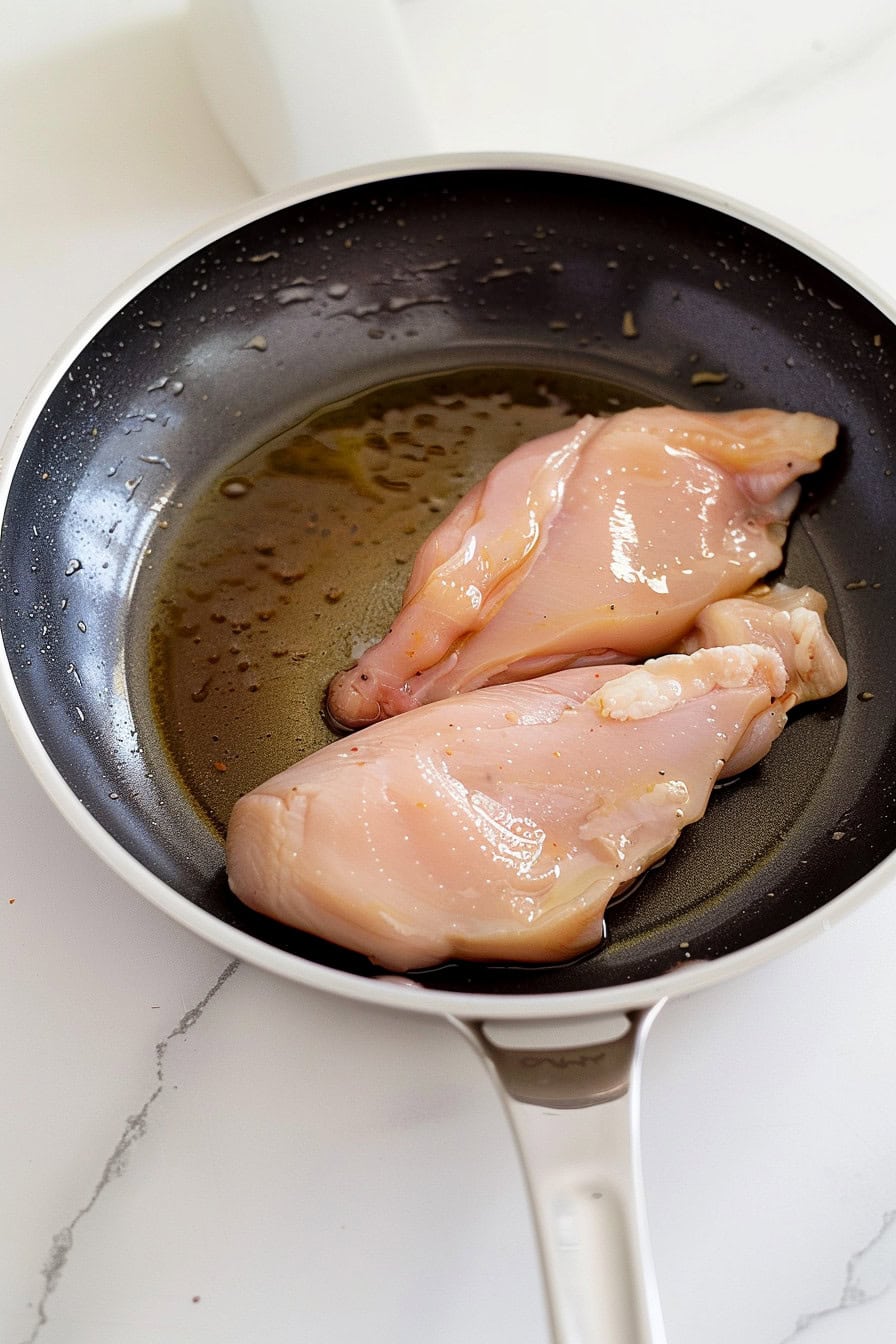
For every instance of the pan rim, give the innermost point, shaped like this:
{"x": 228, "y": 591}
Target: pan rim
{"x": 640, "y": 993}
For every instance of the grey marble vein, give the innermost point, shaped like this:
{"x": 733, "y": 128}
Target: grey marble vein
{"x": 870, "y": 1273}
{"x": 134, "y": 1130}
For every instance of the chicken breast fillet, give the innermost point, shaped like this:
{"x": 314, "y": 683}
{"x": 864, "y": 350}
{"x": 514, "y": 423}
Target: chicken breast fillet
{"x": 600, "y": 543}
{"x": 498, "y": 824}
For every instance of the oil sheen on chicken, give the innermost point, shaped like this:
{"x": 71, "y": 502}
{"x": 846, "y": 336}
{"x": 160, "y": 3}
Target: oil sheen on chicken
{"x": 498, "y": 824}
{"x": 599, "y": 543}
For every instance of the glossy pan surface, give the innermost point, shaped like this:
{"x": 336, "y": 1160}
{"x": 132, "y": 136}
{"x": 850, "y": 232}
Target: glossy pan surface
{"x": 446, "y": 268}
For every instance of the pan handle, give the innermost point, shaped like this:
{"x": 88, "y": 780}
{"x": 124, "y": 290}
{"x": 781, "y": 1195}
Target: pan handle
{"x": 574, "y": 1109}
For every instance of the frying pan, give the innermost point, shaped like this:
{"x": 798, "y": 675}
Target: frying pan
{"x": 468, "y": 264}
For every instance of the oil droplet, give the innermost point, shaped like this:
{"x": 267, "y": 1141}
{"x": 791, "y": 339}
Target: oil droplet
{"x": 388, "y": 484}
{"x": 398, "y": 303}
{"x": 235, "y": 487}
{"x": 337, "y": 290}
{"x": 503, "y": 273}
{"x": 295, "y": 294}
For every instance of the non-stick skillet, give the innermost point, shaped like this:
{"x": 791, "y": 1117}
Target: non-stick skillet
{"x": 425, "y": 268}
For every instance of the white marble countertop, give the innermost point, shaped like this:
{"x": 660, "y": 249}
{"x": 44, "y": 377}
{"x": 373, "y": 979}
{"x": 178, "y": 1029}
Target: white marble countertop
{"x": 193, "y": 1152}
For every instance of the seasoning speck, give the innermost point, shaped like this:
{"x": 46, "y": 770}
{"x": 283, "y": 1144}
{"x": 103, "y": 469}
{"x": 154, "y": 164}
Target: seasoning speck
{"x": 256, "y": 343}
{"x": 334, "y": 594}
{"x": 629, "y": 327}
{"x": 866, "y": 695}
{"x": 703, "y": 376}
{"x": 855, "y": 584}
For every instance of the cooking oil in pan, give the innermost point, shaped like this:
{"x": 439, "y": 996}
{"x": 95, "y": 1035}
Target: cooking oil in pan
{"x": 297, "y": 558}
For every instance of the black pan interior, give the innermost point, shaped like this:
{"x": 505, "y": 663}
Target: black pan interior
{"x": 450, "y": 269}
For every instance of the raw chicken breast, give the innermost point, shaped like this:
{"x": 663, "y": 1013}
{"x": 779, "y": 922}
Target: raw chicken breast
{"x": 600, "y": 543}
{"x": 790, "y": 620}
{"x": 498, "y": 824}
